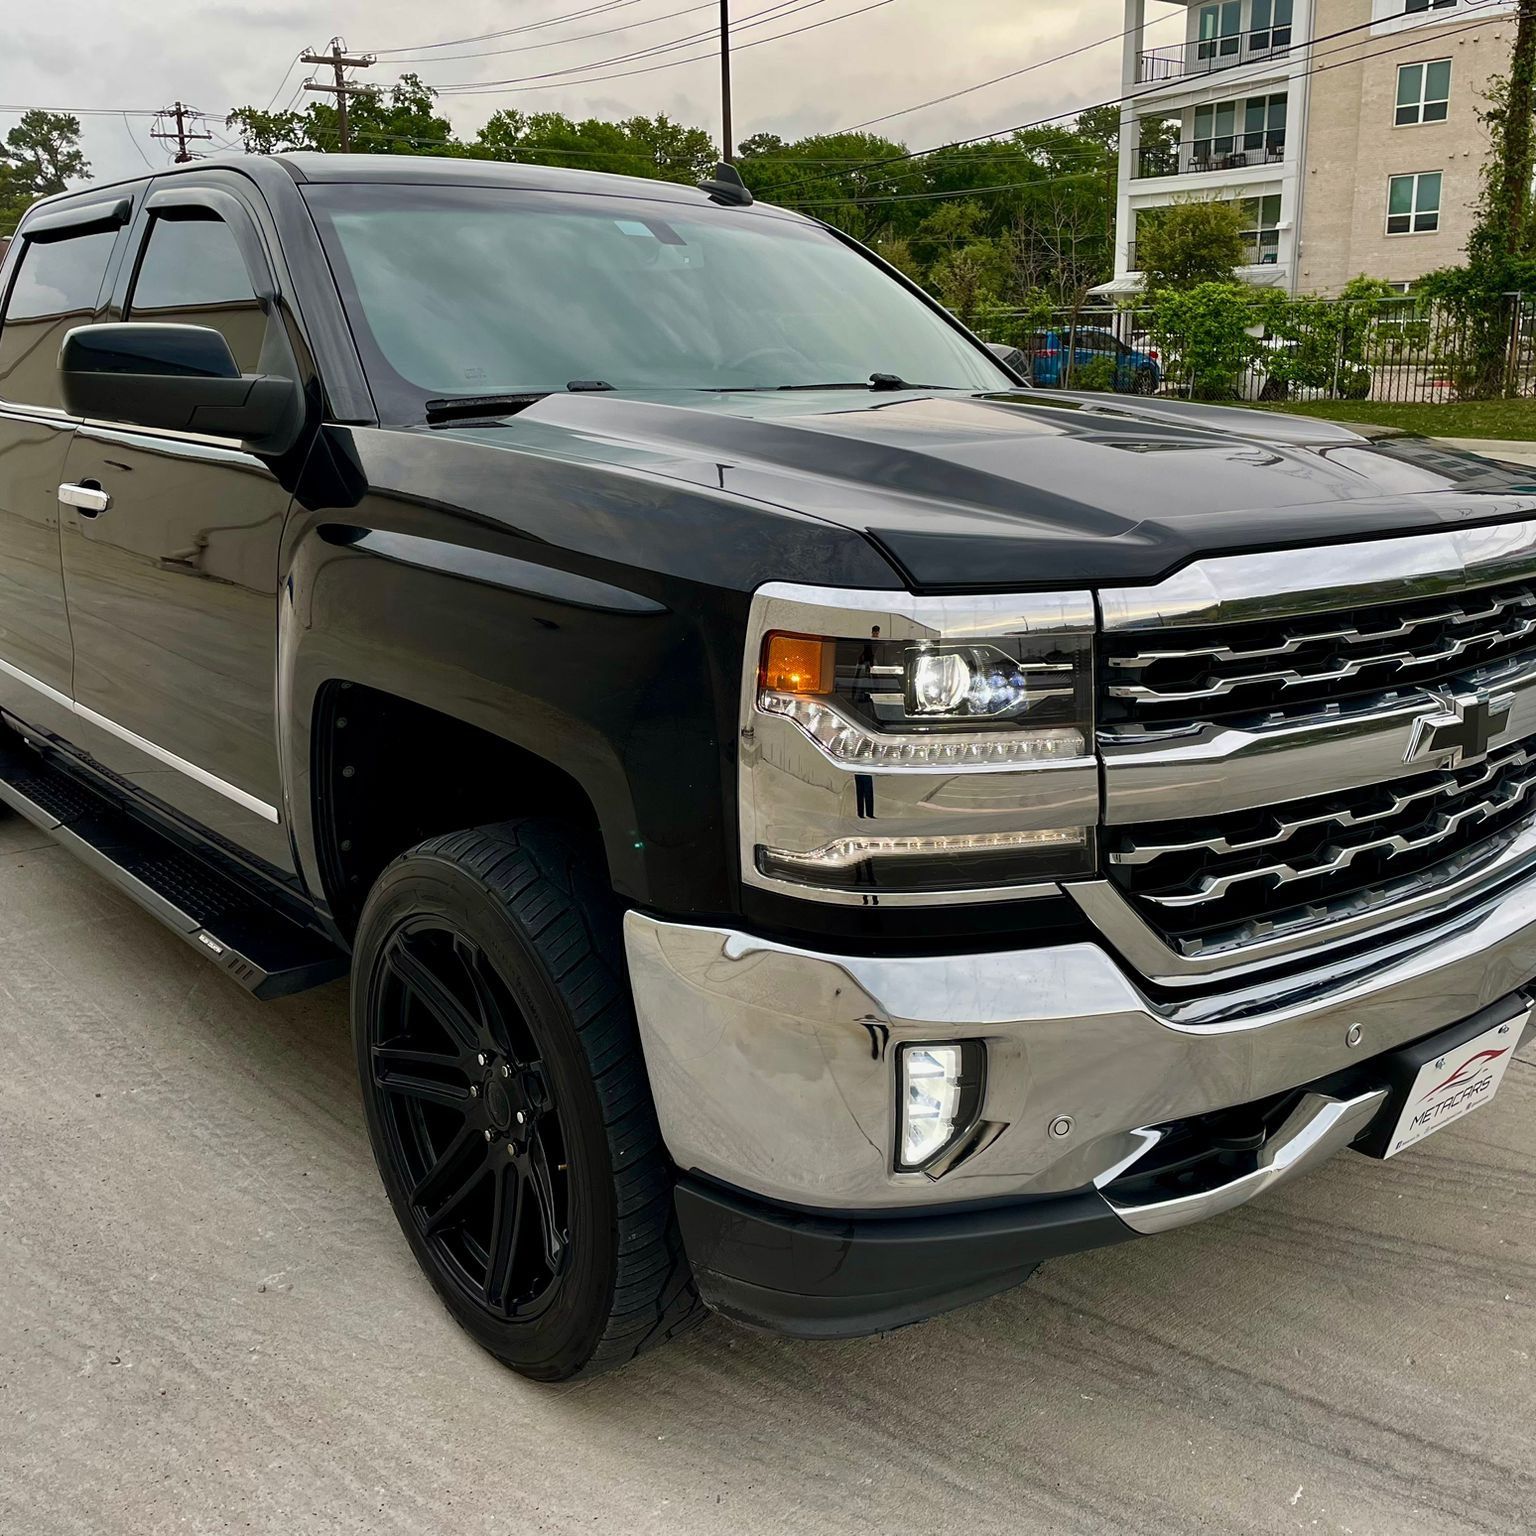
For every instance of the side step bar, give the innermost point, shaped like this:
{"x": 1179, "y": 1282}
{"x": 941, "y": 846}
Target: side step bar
{"x": 203, "y": 899}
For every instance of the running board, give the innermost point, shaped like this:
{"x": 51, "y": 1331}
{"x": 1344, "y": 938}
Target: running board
{"x": 203, "y": 899}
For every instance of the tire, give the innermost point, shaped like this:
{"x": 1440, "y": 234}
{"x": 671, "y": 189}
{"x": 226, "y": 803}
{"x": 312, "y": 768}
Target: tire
{"x": 508, "y": 1105}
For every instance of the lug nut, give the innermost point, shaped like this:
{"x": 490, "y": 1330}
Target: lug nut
{"x": 521, "y": 1117}
{"x": 506, "y": 1071}
{"x": 474, "y": 1090}
{"x": 1061, "y": 1126}
{"x": 482, "y": 1058}
{"x": 490, "y": 1136}
{"x": 511, "y": 1150}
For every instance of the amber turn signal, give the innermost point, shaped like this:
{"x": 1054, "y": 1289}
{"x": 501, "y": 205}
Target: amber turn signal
{"x": 798, "y": 664}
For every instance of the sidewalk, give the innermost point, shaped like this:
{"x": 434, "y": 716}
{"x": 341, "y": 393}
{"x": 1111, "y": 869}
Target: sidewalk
{"x": 1512, "y": 450}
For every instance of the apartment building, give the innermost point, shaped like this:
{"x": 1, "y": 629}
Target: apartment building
{"x": 1348, "y": 130}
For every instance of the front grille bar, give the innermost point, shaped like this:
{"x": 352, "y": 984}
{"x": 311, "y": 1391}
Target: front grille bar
{"x": 1340, "y": 856}
{"x": 1136, "y": 852}
{"x": 1351, "y": 633}
{"x": 1333, "y": 669}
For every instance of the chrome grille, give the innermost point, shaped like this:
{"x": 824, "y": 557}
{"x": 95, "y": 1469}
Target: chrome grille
{"x": 1173, "y": 679}
{"x": 1223, "y": 881}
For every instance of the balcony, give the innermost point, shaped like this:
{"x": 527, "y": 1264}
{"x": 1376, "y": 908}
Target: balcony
{"x": 1241, "y": 152}
{"x": 1210, "y": 55}
{"x": 1263, "y": 250}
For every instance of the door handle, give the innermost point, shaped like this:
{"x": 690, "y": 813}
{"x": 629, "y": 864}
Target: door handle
{"x": 90, "y": 499}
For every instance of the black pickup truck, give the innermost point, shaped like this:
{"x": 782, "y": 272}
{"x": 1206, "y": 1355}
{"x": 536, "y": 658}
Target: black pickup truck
{"x": 815, "y": 827}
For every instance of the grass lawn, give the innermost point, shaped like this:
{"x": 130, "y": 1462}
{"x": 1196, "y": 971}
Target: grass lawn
{"x": 1467, "y": 418}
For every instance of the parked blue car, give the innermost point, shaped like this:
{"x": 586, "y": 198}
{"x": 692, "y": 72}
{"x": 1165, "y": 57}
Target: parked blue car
{"x": 1047, "y": 353}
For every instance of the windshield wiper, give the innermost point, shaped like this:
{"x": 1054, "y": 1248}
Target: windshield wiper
{"x": 507, "y": 403}
{"x": 876, "y": 381}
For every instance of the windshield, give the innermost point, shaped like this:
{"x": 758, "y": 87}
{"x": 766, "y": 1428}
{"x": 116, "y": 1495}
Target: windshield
{"x": 476, "y": 291}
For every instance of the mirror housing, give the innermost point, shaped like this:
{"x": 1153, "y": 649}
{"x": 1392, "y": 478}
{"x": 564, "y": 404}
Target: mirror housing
{"x": 1011, "y": 358}
{"x": 182, "y": 378}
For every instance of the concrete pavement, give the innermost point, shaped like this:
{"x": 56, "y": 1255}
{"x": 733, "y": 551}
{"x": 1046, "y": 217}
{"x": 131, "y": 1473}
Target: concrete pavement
{"x": 1512, "y": 451}
{"x": 209, "y": 1322}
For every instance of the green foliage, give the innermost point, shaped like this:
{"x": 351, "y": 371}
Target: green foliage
{"x": 1190, "y": 243}
{"x": 1477, "y": 297}
{"x": 38, "y": 157}
{"x": 1099, "y": 372}
{"x": 640, "y": 146}
{"x": 1506, "y": 224}
{"x": 1325, "y": 341}
{"x": 1206, "y": 334}
{"x": 393, "y": 120}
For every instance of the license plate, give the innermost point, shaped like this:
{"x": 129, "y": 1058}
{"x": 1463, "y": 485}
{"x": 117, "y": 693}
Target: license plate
{"x": 1450, "y": 1086}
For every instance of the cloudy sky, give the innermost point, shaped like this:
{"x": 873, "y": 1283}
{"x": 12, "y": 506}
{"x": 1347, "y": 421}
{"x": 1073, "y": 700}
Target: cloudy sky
{"x": 110, "y": 54}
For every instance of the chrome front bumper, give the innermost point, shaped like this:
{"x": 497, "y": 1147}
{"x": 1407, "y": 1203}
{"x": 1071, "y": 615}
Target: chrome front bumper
{"x": 773, "y": 1068}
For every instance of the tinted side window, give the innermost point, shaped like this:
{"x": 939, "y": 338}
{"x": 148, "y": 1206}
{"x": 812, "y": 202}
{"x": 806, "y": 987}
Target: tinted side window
{"x": 56, "y": 287}
{"x": 193, "y": 274}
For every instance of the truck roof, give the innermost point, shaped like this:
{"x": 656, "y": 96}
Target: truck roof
{"x": 442, "y": 170}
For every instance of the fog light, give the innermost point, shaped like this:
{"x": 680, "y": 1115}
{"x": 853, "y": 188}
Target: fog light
{"x": 940, "y": 1089}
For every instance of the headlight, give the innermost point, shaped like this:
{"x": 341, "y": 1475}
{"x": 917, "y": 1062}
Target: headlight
{"x": 897, "y": 748}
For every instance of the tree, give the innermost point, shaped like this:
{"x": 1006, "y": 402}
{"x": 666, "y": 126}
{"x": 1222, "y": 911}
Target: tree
{"x": 393, "y": 120}
{"x": 1507, "y": 225}
{"x": 39, "y": 157}
{"x": 639, "y": 146}
{"x": 1501, "y": 251}
{"x": 1197, "y": 241}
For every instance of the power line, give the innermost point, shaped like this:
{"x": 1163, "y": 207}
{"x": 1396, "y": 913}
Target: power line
{"x": 554, "y": 42}
{"x": 298, "y": 58}
{"x": 785, "y": 8}
{"x": 532, "y": 26}
{"x": 1013, "y": 74}
{"x": 469, "y": 89}
{"x": 133, "y": 137}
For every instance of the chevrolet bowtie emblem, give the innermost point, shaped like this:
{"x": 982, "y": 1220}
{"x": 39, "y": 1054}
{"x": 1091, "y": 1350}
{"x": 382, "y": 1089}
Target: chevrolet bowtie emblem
{"x": 1460, "y": 730}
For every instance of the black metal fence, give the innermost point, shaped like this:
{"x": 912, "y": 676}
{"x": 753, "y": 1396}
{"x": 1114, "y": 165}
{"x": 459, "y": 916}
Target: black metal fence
{"x": 1400, "y": 350}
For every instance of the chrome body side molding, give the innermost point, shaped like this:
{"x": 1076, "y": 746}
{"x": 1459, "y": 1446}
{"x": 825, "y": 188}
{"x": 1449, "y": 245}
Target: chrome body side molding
{"x": 152, "y": 749}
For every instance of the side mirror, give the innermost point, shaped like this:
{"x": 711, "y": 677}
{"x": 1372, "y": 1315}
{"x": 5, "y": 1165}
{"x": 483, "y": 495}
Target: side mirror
{"x": 1010, "y": 357}
{"x": 183, "y": 378}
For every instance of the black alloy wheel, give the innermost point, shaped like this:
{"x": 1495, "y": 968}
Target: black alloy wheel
{"x": 507, "y": 1100}
{"x": 470, "y": 1119}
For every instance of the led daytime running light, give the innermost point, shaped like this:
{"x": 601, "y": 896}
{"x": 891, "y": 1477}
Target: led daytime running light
{"x": 847, "y": 742}
{"x": 846, "y": 852}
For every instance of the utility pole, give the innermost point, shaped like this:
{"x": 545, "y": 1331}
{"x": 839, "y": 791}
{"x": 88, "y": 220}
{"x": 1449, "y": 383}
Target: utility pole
{"x": 728, "y": 147}
{"x": 182, "y": 134}
{"x": 339, "y": 60}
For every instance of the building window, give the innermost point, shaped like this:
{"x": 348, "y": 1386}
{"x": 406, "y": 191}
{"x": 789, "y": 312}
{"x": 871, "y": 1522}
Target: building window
{"x": 1221, "y": 30}
{"x": 1413, "y": 204}
{"x": 1262, "y": 234}
{"x": 1423, "y": 92}
{"x": 1428, "y": 5}
{"x": 1269, "y": 25}
{"x": 1264, "y": 126}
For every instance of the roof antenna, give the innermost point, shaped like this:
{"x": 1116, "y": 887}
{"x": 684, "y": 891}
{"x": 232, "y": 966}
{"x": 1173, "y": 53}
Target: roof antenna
{"x": 726, "y": 186}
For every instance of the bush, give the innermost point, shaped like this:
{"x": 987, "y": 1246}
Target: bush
{"x": 1096, "y": 373}
{"x": 1205, "y": 334}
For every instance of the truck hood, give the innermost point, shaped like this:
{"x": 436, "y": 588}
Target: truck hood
{"x": 1029, "y": 489}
